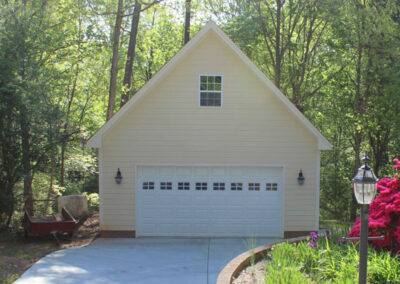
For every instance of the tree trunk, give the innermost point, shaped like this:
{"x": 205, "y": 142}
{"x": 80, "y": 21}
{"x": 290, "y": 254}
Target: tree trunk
{"x": 128, "y": 78}
{"x": 114, "y": 61}
{"x": 187, "y": 21}
{"x": 358, "y": 137}
{"x": 62, "y": 162}
{"x": 379, "y": 141}
{"x": 357, "y": 150}
{"x": 278, "y": 58}
{"x": 50, "y": 190}
{"x": 26, "y": 161}
{"x": 65, "y": 129}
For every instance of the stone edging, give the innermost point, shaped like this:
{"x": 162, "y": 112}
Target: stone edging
{"x": 237, "y": 264}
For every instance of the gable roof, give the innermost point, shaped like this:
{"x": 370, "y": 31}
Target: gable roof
{"x": 96, "y": 140}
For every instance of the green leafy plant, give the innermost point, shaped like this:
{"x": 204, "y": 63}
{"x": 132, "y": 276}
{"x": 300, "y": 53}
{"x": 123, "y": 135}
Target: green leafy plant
{"x": 93, "y": 202}
{"x": 325, "y": 258}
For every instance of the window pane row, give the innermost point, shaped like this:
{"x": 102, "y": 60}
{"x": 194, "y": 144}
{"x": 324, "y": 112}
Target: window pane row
{"x": 253, "y": 186}
{"x": 210, "y": 87}
{"x": 210, "y": 79}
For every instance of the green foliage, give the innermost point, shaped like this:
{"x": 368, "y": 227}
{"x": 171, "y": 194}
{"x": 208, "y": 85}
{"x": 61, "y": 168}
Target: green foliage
{"x": 283, "y": 268}
{"x": 330, "y": 261}
{"x": 93, "y": 202}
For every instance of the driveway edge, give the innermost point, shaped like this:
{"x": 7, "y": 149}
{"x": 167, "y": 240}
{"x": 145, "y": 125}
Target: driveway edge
{"x": 237, "y": 264}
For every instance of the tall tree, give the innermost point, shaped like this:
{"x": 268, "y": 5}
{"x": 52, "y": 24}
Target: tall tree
{"x": 188, "y": 7}
{"x": 128, "y": 83}
{"x": 114, "y": 60}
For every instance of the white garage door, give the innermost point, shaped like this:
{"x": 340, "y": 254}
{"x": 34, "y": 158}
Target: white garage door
{"x": 209, "y": 201}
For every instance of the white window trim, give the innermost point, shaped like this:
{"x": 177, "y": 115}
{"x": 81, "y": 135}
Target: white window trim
{"x": 222, "y": 91}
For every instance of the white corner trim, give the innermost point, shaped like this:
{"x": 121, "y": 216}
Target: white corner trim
{"x": 318, "y": 183}
{"x": 101, "y": 189}
{"x": 96, "y": 140}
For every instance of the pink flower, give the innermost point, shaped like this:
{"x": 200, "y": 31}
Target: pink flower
{"x": 384, "y": 217}
{"x": 397, "y": 166}
{"x": 396, "y": 235}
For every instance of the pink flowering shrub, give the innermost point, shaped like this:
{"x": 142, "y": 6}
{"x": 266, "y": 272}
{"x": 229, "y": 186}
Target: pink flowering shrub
{"x": 384, "y": 214}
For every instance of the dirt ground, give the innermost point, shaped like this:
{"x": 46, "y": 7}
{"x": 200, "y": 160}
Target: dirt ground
{"x": 252, "y": 274}
{"x": 17, "y": 253}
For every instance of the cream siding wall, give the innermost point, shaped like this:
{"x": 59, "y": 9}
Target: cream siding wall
{"x": 168, "y": 127}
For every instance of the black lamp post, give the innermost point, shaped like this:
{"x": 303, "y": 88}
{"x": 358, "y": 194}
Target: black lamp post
{"x": 364, "y": 189}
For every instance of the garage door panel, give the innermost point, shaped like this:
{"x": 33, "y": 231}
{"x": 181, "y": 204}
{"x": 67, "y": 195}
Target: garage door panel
{"x": 216, "y": 211}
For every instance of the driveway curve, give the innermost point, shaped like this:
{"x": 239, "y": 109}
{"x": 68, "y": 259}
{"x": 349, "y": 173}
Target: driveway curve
{"x": 141, "y": 260}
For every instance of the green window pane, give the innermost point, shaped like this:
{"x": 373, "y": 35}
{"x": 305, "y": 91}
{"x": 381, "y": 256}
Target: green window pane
{"x": 210, "y": 79}
{"x": 203, "y": 86}
{"x": 218, "y": 79}
{"x": 203, "y": 79}
{"x": 217, "y": 87}
{"x": 211, "y": 87}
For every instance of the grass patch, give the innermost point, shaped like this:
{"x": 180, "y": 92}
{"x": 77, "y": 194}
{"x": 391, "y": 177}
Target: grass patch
{"x": 329, "y": 261}
{"x": 17, "y": 254}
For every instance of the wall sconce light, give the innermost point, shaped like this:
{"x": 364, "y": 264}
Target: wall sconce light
{"x": 301, "y": 178}
{"x": 118, "y": 177}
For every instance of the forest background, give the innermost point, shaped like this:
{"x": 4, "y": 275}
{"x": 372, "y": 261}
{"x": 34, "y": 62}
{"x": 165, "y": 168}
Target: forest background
{"x": 67, "y": 66}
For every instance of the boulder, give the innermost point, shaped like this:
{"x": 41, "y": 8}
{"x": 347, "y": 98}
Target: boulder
{"x": 75, "y": 204}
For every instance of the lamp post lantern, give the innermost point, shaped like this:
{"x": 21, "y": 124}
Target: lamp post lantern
{"x": 364, "y": 184}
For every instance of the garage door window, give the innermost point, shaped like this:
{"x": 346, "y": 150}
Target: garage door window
{"x": 148, "y": 185}
{"x": 201, "y": 186}
{"x": 272, "y": 187}
{"x": 166, "y": 185}
{"x": 219, "y": 186}
{"x": 236, "y": 186}
{"x": 254, "y": 186}
{"x": 183, "y": 185}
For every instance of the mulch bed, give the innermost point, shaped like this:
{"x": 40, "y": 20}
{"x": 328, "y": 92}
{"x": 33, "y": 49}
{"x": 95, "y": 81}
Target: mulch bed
{"x": 85, "y": 232}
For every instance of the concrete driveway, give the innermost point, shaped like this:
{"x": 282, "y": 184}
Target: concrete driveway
{"x": 142, "y": 260}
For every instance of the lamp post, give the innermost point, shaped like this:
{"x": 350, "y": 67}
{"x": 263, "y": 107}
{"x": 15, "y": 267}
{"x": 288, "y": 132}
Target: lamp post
{"x": 364, "y": 190}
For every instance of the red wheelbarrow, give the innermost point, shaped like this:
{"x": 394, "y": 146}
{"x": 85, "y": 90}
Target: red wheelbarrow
{"x": 41, "y": 225}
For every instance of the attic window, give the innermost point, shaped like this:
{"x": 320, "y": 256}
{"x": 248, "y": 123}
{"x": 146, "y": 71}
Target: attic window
{"x": 210, "y": 90}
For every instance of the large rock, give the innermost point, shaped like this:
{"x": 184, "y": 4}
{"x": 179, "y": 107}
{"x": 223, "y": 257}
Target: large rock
{"x": 75, "y": 204}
